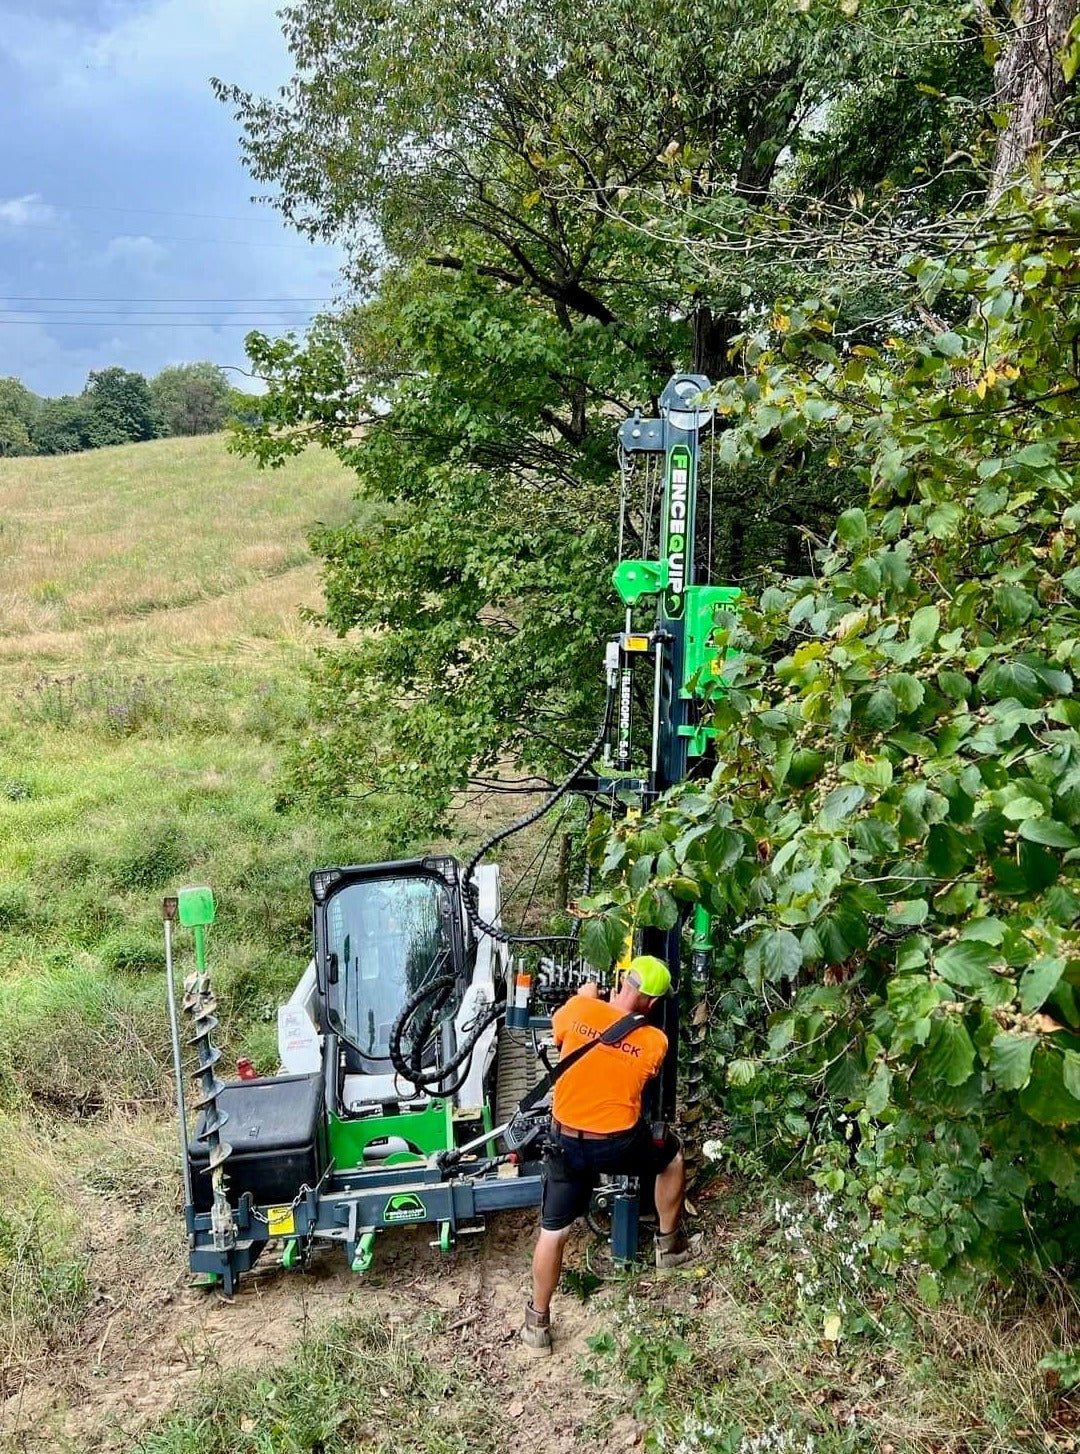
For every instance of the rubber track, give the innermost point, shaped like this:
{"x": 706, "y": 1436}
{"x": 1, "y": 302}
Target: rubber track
{"x": 518, "y": 1071}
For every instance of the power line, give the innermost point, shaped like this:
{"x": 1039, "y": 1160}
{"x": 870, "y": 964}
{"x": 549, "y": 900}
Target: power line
{"x": 61, "y": 298}
{"x": 82, "y": 323}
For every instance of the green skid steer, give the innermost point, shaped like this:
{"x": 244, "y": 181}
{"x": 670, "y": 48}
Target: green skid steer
{"x": 420, "y": 1023}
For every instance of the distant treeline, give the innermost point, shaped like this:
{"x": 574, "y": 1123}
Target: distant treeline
{"x": 117, "y": 407}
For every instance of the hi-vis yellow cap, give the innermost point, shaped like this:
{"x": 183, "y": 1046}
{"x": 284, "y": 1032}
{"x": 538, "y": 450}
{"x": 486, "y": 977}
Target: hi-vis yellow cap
{"x": 650, "y": 975}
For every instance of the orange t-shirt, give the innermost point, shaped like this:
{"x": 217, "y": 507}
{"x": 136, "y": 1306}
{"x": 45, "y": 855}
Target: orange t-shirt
{"x": 603, "y": 1091}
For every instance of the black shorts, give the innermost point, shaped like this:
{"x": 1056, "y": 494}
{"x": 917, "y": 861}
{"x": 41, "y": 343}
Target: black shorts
{"x": 572, "y": 1168}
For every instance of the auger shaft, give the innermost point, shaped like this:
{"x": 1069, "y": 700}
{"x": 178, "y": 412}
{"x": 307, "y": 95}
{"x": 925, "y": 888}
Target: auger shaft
{"x": 694, "y": 1040}
{"x": 197, "y": 910}
{"x": 200, "y": 1002}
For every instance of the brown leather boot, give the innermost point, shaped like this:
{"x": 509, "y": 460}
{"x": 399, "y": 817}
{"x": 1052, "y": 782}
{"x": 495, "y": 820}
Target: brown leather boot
{"x": 536, "y": 1334}
{"x": 672, "y": 1250}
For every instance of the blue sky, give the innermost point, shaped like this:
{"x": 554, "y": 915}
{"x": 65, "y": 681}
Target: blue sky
{"x": 127, "y": 234}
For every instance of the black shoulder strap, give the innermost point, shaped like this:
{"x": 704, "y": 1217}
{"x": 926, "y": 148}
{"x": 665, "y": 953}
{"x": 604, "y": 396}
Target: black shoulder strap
{"x": 611, "y": 1036}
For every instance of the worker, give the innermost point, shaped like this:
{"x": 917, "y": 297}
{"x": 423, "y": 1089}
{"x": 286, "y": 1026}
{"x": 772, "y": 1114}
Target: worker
{"x": 597, "y": 1127}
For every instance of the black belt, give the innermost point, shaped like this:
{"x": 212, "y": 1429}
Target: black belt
{"x": 570, "y": 1133}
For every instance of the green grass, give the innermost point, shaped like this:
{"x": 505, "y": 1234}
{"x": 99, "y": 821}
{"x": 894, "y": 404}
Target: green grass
{"x": 141, "y": 739}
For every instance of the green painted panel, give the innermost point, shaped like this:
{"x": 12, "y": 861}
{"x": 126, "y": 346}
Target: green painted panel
{"x": 701, "y": 659}
{"x": 429, "y": 1131}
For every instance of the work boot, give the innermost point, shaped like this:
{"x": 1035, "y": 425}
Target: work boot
{"x": 672, "y": 1250}
{"x": 536, "y": 1334}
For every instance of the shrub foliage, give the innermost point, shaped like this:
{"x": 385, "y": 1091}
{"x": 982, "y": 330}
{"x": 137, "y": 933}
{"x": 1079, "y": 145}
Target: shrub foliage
{"x": 891, "y": 839}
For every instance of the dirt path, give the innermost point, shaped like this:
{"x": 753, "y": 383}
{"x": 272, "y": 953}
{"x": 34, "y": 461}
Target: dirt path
{"x": 150, "y": 1338}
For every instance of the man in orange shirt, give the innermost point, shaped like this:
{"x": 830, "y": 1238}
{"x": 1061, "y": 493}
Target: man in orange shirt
{"x": 597, "y": 1128}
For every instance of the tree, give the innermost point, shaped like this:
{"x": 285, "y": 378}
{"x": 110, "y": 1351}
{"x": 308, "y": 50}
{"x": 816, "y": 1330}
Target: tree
{"x": 120, "y": 408}
{"x": 496, "y": 180}
{"x": 1032, "y": 76}
{"x": 61, "y": 425}
{"x": 191, "y": 398}
{"x": 18, "y": 407}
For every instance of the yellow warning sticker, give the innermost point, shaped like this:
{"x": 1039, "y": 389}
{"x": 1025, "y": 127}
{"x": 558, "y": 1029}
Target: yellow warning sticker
{"x": 280, "y": 1221}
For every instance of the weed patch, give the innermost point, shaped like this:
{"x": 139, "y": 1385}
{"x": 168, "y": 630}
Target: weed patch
{"x": 132, "y": 952}
{"x": 44, "y": 1287}
{"x": 782, "y": 1346}
{"x": 14, "y": 906}
{"x": 45, "y": 1294}
{"x": 362, "y": 1385}
{"x": 76, "y": 1039}
{"x": 109, "y": 701}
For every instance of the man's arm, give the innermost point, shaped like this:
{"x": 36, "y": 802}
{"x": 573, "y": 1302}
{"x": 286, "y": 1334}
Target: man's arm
{"x": 660, "y": 1055}
{"x": 558, "y": 1024}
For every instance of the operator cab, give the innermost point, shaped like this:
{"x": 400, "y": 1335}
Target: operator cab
{"x": 382, "y": 932}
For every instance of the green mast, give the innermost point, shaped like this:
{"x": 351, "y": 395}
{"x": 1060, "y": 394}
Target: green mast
{"x": 687, "y": 671}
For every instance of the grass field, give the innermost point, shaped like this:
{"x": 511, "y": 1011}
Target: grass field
{"x": 152, "y": 656}
{"x": 161, "y": 552}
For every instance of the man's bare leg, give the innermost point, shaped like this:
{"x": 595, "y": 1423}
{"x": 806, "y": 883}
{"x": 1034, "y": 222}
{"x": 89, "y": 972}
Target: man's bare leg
{"x": 547, "y": 1266}
{"x": 670, "y": 1193}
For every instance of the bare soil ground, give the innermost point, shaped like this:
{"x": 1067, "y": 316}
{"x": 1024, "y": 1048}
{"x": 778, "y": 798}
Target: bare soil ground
{"x": 150, "y": 1338}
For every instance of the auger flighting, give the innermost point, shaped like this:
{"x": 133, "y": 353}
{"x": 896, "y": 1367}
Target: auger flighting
{"x": 196, "y": 910}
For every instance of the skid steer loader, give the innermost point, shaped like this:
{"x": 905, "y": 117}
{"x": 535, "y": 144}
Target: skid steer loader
{"x": 420, "y": 1022}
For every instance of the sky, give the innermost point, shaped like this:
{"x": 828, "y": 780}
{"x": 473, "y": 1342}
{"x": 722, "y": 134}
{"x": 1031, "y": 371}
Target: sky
{"x": 127, "y": 231}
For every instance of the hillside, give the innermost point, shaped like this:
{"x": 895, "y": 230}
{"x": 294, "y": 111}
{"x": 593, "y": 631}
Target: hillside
{"x": 151, "y": 655}
{"x": 171, "y": 550}
{"x": 151, "y": 659}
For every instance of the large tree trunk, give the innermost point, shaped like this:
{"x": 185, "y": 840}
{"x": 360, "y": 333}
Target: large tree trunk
{"x": 1029, "y": 83}
{"x": 713, "y": 333}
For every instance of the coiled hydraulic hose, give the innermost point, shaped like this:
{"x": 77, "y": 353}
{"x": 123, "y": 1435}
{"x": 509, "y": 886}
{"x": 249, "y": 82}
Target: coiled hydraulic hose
{"x": 434, "y": 1081}
{"x": 436, "y": 990}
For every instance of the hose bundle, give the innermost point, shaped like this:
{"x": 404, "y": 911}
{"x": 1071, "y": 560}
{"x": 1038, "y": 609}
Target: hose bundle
{"x": 424, "y": 1004}
{"x": 501, "y": 935}
{"x": 420, "y": 1012}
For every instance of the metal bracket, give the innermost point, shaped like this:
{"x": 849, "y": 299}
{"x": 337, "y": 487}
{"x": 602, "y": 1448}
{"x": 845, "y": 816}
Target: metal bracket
{"x": 637, "y": 435}
{"x": 636, "y": 578}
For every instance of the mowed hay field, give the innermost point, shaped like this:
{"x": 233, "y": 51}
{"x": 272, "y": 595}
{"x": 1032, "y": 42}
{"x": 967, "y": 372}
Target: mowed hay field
{"x": 162, "y": 551}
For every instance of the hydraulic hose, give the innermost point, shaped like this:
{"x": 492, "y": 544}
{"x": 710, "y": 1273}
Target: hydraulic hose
{"x": 436, "y": 990}
{"x": 564, "y": 787}
{"x": 411, "y": 1069}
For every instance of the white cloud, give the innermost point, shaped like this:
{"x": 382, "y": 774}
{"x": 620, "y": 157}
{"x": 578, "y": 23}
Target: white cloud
{"x": 27, "y": 211}
{"x": 135, "y": 251}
